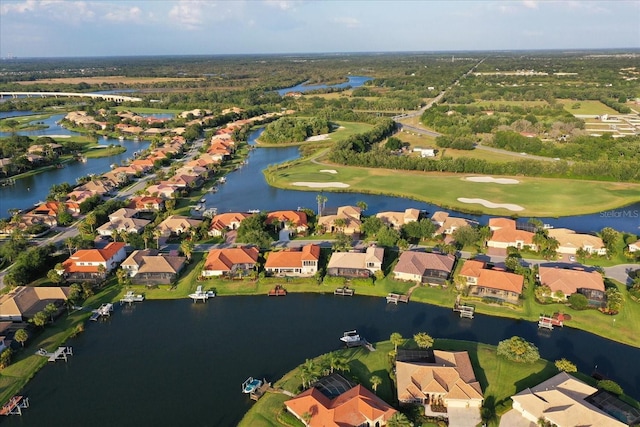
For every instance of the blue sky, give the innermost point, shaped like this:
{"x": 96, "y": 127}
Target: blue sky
{"x": 37, "y": 28}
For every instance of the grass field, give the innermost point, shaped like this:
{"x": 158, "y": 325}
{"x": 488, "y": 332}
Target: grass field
{"x": 494, "y": 104}
{"x": 586, "y": 107}
{"x": 104, "y": 151}
{"x": 540, "y": 197}
{"x": 345, "y": 130}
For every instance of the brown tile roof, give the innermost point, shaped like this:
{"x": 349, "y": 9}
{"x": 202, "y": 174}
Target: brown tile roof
{"x": 511, "y": 235}
{"x": 411, "y": 262}
{"x": 221, "y": 221}
{"x": 569, "y": 281}
{"x": 161, "y": 264}
{"x": 27, "y": 300}
{"x": 225, "y": 259}
{"x": 451, "y": 375}
{"x": 471, "y": 268}
{"x": 501, "y": 280}
{"x": 298, "y": 218}
{"x": 496, "y": 223}
{"x": 354, "y": 407}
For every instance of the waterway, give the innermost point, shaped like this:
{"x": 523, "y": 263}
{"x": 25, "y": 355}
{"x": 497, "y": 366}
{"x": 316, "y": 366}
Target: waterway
{"x": 353, "y": 82}
{"x": 168, "y": 363}
{"x": 32, "y": 189}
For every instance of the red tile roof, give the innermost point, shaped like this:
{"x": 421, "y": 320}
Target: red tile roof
{"x": 293, "y": 257}
{"x": 354, "y": 407}
{"x": 225, "y": 259}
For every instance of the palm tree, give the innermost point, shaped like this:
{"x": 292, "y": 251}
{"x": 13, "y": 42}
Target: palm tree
{"x": 157, "y": 233}
{"x": 147, "y": 235}
{"x": 309, "y": 372}
{"x": 186, "y": 246}
{"x": 396, "y": 339}
{"x": 21, "y": 336}
{"x": 399, "y": 420}
{"x": 336, "y": 362}
{"x": 375, "y": 382}
{"x": 50, "y": 309}
{"x": 340, "y": 223}
{"x": 362, "y": 205}
{"x": 91, "y": 220}
{"x": 322, "y": 199}
{"x": 423, "y": 340}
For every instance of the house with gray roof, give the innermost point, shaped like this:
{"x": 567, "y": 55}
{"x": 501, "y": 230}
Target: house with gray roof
{"x": 424, "y": 267}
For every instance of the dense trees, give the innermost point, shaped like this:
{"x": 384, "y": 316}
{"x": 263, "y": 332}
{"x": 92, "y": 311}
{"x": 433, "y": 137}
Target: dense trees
{"x": 294, "y": 129}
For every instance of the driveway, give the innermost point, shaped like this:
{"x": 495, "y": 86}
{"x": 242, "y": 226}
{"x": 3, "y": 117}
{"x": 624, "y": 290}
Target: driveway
{"x": 514, "y": 418}
{"x": 464, "y": 417}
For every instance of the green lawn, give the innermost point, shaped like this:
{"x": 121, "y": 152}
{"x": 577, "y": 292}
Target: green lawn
{"x": 540, "y": 197}
{"x": 104, "y": 151}
{"x": 345, "y": 130}
{"x": 586, "y": 107}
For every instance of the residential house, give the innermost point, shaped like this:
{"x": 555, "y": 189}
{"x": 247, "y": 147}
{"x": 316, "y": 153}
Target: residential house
{"x": 147, "y": 204}
{"x": 424, "y": 267}
{"x": 148, "y": 267}
{"x": 294, "y": 221}
{"x": 348, "y": 221}
{"x": 23, "y": 302}
{"x": 448, "y": 224}
{"x": 93, "y": 264}
{"x": 445, "y": 380}
{"x": 79, "y": 196}
{"x": 166, "y": 191}
{"x": 226, "y": 221}
{"x": 505, "y": 234}
{"x": 571, "y": 242}
{"x": 356, "y": 406}
{"x": 566, "y": 282}
{"x": 142, "y": 165}
{"x": 103, "y": 188}
{"x": 230, "y": 261}
{"x": 117, "y": 178}
{"x": 356, "y": 264}
{"x": 425, "y": 152}
{"x": 177, "y": 224}
{"x": 489, "y": 283}
{"x": 54, "y": 208}
{"x": 301, "y": 262}
{"x": 634, "y": 247}
{"x": 398, "y": 219}
{"x": 184, "y": 181}
{"x": 122, "y": 224}
{"x": 563, "y": 401}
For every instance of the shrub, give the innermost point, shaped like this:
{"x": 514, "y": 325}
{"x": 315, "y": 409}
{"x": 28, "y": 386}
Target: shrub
{"x": 519, "y": 350}
{"x": 610, "y": 386}
{"x": 578, "y": 302}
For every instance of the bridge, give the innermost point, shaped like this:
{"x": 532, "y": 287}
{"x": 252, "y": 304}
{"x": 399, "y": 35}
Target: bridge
{"x": 106, "y": 97}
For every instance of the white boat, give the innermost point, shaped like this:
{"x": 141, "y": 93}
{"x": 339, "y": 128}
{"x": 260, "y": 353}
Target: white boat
{"x": 350, "y": 337}
{"x": 254, "y": 211}
{"x": 251, "y": 385}
{"x": 222, "y": 180}
{"x": 199, "y": 294}
{"x": 131, "y": 297}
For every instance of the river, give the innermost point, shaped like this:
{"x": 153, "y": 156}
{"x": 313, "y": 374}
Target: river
{"x": 353, "y": 82}
{"x": 168, "y": 363}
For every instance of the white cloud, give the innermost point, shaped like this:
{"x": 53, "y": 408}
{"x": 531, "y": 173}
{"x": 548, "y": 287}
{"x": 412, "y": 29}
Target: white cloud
{"x": 347, "y": 22}
{"x": 281, "y": 4}
{"x": 188, "y": 13}
{"x": 18, "y": 7}
{"x": 530, "y": 4}
{"x": 132, "y": 14}
{"x": 68, "y": 11}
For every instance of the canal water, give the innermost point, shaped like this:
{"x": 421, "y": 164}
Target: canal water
{"x": 354, "y": 82}
{"x": 169, "y": 363}
{"x": 28, "y": 191}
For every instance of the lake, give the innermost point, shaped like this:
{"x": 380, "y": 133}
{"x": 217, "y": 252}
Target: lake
{"x": 168, "y": 363}
{"x": 354, "y": 82}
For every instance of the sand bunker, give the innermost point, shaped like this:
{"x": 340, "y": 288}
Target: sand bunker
{"x": 318, "y": 137}
{"x": 492, "y": 180}
{"x": 488, "y": 204}
{"x": 329, "y": 171}
{"x": 54, "y": 136}
{"x": 321, "y": 184}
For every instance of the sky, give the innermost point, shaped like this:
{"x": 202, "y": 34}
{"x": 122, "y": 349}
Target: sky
{"x": 66, "y": 28}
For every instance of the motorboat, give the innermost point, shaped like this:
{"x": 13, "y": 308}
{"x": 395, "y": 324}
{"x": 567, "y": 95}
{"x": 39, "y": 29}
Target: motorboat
{"x": 350, "y": 337}
{"x": 250, "y": 385}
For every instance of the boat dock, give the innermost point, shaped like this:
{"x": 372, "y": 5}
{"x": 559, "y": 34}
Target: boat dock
{"x": 396, "y": 298}
{"x": 466, "y": 311}
{"x": 344, "y": 291}
{"x": 200, "y": 295}
{"x": 353, "y": 339}
{"x": 62, "y": 353}
{"x": 15, "y": 405}
{"x": 278, "y": 291}
{"x": 130, "y": 298}
{"x": 103, "y": 311}
{"x": 548, "y": 322}
{"x": 260, "y": 391}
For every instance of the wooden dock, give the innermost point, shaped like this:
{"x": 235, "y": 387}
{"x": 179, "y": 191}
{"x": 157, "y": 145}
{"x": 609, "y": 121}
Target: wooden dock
{"x": 62, "y": 353}
{"x": 344, "y": 291}
{"x": 278, "y": 291}
{"x": 396, "y": 298}
{"x": 15, "y": 405}
{"x": 260, "y": 391}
